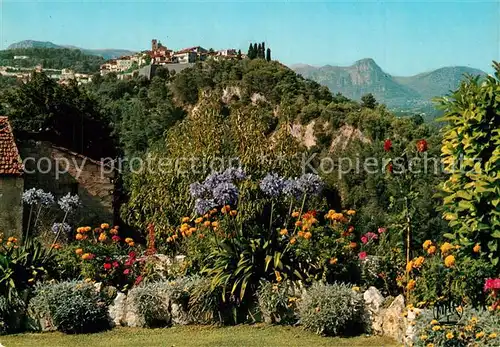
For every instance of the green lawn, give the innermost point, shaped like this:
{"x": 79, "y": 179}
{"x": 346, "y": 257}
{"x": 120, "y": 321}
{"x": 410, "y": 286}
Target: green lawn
{"x": 238, "y": 336}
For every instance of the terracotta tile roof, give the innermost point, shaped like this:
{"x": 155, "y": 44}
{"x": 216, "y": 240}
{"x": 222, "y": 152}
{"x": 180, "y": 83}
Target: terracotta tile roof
{"x": 10, "y": 161}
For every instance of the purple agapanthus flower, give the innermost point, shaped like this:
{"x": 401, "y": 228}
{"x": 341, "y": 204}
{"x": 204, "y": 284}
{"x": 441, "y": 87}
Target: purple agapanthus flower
{"x": 225, "y": 193}
{"x": 61, "y": 228}
{"x": 310, "y": 184}
{"x": 202, "y": 206}
{"x": 69, "y": 203}
{"x": 272, "y": 185}
{"x": 198, "y": 190}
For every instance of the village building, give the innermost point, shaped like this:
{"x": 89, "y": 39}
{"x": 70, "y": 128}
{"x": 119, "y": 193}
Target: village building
{"x": 11, "y": 182}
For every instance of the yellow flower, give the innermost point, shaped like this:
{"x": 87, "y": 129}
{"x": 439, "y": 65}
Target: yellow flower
{"x": 449, "y": 335}
{"x": 446, "y": 247}
{"x": 427, "y": 244}
{"x": 449, "y": 261}
{"x": 215, "y": 224}
{"x": 430, "y": 345}
{"x": 480, "y": 335}
{"x": 12, "y": 239}
{"x": 409, "y": 266}
{"x": 333, "y": 261}
{"x": 278, "y": 276}
{"x": 206, "y": 223}
{"x": 233, "y": 213}
{"x": 477, "y": 248}
{"x": 356, "y": 289}
{"x": 411, "y": 284}
{"x": 434, "y": 322}
{"x": 103, "y": 237}
{"x": 473, "y": 320}
{"x": 436, "y": 328}
{"x": 431, "y": 250}
{"x": 417, "y": 263}
{"x": 283, "y": 232}
{"x": 185, "y": 219}
{"x": 129, "y": 239}
{"x": 351, "y": 213}
{"x": 424, "y": 337}
{"x": 492, "y": 336}
{"x": 295, "y": 214}
{"x": 198, "y": 220}
{"x": 104, "y": 226}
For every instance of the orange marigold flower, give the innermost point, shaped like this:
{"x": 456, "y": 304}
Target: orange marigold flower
{"x": 56, "y": 246}
{"x": 307, "y": 235}
{"x": 427, "y": 244}
{"x": 79, "y": 251}
{"x": 300, "y": 234}
{"x": 104, "y": 226}
{"x": 103, "y": 237}
{"x": 12, "y": 239}
{"x": 417, "y": 263}
{"x": 80, "y": 230}
{"x": 114, "y": 231}
{"x": 206, "y": 223}
{"x": 353, "y": 245}
{"x": 129, "y": 239}
{"x": 233, "y": 213}
{"x": 333, "y": 261}
{"x": 79, "y": 237}
{"x": 283, "y": 232}
{"x": 215, "y": 224}
{"x": 449, "y": 261}
{"x": 411, "y": 284}
{"x": 409, "y": 266}
{"x": 351, "y": 213}
{"x": 131, "y": 244}
{"x": 431, "y": 250}
{"x": 295, "y": 214}
{"x": 198, "y": 220}
{"x": 298, "y": 223}
{"x": 446, "y": 247}
{"x": 477, "y": 248}
{"x": 293, "y": 240}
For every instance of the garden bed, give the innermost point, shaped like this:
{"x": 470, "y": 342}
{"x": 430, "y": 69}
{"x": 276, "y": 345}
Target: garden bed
{"x": 243, "y": 335}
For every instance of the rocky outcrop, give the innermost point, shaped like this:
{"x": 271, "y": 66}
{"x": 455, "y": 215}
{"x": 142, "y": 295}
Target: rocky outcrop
{"x": 118, "y": 309}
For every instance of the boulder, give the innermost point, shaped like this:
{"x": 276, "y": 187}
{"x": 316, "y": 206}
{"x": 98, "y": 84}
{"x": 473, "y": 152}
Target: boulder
{"x": 133, "y": 318}
{"x": 118, "y": 309}
{"x": 373, "y": 303}
{"x": 390, "y": 321}
{"x": 179, "y": 314}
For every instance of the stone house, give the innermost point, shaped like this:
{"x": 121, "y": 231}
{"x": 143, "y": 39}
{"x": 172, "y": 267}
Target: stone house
{"x": 11, "y": 182}
{"x": 61, "y": 171}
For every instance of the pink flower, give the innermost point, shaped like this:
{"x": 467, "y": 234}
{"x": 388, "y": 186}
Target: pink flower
{"x": 364, "y": 239}
{"x": 382, "y": 230}
{"x": 115, "y": 264}
{"x": 492, "y": 284}
{"x": 126, "y": 271}
{"x": 138, "y": 280}
{"x": 362, "y": 255}
{"x": 371, "y": 236}
{"x": 116, "y": 238}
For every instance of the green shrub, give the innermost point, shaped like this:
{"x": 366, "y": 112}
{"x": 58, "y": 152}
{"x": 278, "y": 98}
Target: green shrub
{"x": 11, "y": 313}
{"x": 205, "y": 305}
{"x": 152, "y": 305}
{"x": 278, "y": 302}
{"x": 72, "y": 307}
{"x": 471, "y": 328}
{"x": 332, "y": 309}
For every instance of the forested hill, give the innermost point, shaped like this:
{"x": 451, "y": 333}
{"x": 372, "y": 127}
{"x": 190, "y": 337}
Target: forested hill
{"x": 52, "y": 58}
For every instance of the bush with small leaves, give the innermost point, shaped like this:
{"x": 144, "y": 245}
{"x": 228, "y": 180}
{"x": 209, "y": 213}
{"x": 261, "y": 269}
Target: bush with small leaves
{"x": 332, "y": 309}
{"x": 152, "y": 305}
{"x": 278, "y": 301}
{"x": 72, "y": 307}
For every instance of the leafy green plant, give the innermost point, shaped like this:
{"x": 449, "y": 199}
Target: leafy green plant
{"x": 151, "y": 301}
{"x": 471, "y": 154}
{"x": 72, "y": 307}
{"x": 278, "y": 301}
{"x": 332, "y": 309}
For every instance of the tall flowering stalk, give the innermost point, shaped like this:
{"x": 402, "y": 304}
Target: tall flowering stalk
{"x": 37, "y": 199}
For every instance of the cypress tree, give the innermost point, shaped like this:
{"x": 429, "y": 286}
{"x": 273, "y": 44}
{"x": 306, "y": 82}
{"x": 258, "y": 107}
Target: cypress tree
{"x": 255, "y": 51}
{"x": 268, "y": 54}
{"x": 263, "y": 52}
{"x": 259, "y": 51}
{"x": 250, "y": 51}
{"x": 238, "y": 56}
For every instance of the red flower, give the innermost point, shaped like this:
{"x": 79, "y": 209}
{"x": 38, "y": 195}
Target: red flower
{"x": 116, "y": 238}
{"x": 362, "y": 255}
{"x": 132, "y": 255}
{"x": 382, "y": 230}
{"x": 492, "y": 284}
{"x": 422, "y": 146}
{"x": 350, "y": 229}
{"x": 107, "y": 266}
{"x": 390, "y": 168}
{"x": 126, "y": 271}
{"x": 364, "y": 239}
{"x": 115, "y": 264}
{"x": 387, "y": 145}
{"x": 138, "y": 280}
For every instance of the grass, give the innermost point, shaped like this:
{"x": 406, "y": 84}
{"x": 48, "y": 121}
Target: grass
{"x": 187, "y": 336}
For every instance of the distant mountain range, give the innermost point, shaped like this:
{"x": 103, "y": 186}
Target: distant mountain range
{"x": 411, "y": 94}
{"x": 110, "y": 53}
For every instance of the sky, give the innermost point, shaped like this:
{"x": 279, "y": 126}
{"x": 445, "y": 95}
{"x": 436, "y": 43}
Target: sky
{"x": 403, "y": 37}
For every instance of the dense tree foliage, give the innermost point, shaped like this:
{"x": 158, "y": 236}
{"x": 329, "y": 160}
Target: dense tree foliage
{"x": 52, "y": 58}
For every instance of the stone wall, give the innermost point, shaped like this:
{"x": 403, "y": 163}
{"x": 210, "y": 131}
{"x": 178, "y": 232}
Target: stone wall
{"x": 88, "y": 178}
{"x": 11, "y": 208}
